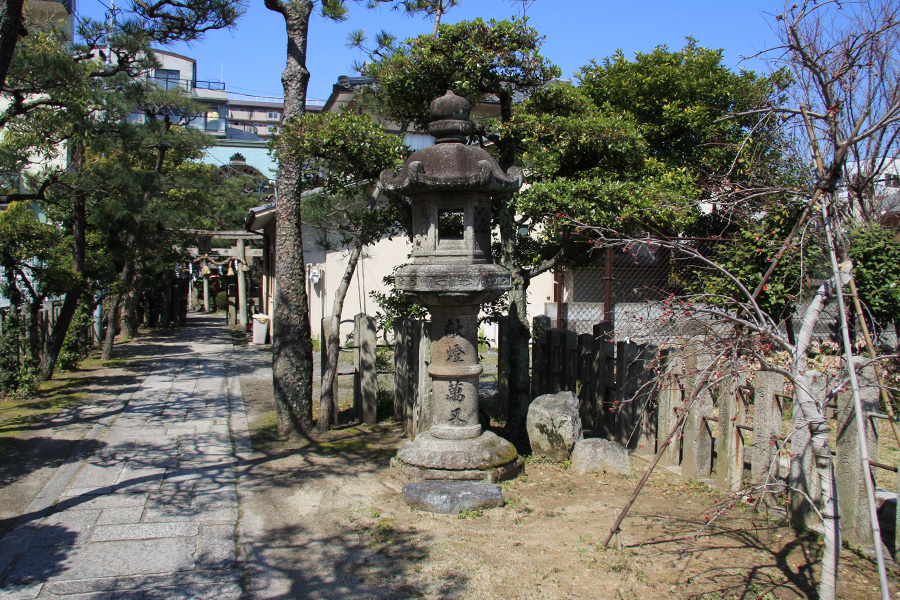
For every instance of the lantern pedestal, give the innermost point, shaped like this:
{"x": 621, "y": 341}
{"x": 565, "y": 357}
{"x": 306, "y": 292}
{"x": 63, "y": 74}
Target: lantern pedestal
{"x": 455, "y": 447}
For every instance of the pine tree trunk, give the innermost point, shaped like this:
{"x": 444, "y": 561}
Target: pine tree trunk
{"x": 34, "y": 331}
{"x": 132, "y": 300}
{"x": 518, "y": 335}
{"x": 11, "y": 27}
{"x": 292, "y": 361}
{"x": 329, "y": 372}
{"x": 111, "y": 320}
{"x": 79, "y": 254}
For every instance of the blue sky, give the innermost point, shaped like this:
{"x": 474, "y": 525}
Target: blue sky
{"x": 250, "y": 58}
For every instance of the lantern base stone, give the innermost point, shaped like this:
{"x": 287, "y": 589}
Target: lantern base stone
{"x": 487, "y": 458}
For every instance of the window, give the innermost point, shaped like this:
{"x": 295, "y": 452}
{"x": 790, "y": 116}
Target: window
{"x": 451, "y": 225}
{"x": 274, "y": 114}
{"x": 167, "y": 74}
{"x": 168, "y": 79}
{"x": 892, "y": 181}
{"x": 272, "y": 129}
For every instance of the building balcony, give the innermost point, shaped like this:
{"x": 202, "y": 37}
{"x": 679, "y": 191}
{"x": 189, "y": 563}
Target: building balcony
{"x": 201, "y": 90}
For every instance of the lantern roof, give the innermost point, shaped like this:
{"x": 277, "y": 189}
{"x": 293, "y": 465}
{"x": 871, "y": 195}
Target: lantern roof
{"x": 451, "y": 165}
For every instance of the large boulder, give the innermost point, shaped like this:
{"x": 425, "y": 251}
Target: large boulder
{"x": 554, "y": 425}
{"x": 600, "y": 456}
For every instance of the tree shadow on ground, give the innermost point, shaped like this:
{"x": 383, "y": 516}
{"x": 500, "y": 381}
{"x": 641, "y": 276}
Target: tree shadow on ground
{"x": 50, "y": 545}
{"x": 364, "y": 562}
{"x": 319, "y": 554}
{"x": 779, "y": 575}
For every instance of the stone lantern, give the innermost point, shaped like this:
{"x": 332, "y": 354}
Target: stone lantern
{"x": 450, "y": 186}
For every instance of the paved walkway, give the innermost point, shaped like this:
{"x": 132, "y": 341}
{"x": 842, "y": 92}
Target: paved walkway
{"x": 146, "y": 507}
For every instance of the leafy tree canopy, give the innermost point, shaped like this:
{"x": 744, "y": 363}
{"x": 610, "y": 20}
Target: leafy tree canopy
{"x": 481, "y": 61}
{"x": 676, "y": 98}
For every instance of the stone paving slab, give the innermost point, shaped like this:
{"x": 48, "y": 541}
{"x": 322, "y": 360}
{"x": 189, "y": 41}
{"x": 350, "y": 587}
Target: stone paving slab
{"x": 146, "y": 507}
{"x": 107, "y": 559}
{"x": 179, "y": 579}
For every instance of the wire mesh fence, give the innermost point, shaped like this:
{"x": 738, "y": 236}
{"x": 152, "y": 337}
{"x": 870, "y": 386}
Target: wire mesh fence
{"x": 641, "y": 288}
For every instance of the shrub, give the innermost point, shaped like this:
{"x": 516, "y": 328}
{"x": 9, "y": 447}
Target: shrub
{"x": 221, "y": 301}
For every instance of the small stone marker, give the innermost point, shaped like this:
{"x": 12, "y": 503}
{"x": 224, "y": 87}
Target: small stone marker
{"x": 554, "y": 425}
{"x": 451, "y": 497}
{"x": 595, "y": 455}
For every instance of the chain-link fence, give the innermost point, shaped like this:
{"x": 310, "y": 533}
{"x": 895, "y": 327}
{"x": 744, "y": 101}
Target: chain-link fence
{"x": 641, "y": 288}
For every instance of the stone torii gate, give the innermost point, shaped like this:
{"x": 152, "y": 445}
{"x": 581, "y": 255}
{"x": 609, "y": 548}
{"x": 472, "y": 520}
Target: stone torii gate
{"x": 238, "y": 251}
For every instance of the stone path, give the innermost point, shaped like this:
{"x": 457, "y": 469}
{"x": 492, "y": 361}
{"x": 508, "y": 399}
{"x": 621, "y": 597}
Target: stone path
{"x": 146, "y": 506}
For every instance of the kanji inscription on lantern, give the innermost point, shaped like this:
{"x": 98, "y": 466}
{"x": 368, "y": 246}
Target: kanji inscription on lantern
{"x": 455, "y": 392}
{"x": 455, "y": 353}
{"x": 454, "y": 416}
{"x": 452, "y": 329}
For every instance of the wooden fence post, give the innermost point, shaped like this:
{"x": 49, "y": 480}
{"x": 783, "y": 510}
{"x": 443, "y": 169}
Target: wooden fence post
{"x": 539, "y": 355}
{"x": 365, "y": 390}
{"x": 555, "y": 346}
{"x": 628, "y": 367}
{"x": 587, "y": 393}
{"x": 647, "y": 401}
{"x": 569, "y": 380}
{"x": 605, "y": 378}
{"x": 503, "y": 365}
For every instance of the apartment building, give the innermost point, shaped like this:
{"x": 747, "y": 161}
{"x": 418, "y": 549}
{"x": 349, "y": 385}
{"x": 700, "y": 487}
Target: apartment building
{"x": 254, "y": 118}
{"x": 178, "y": 72}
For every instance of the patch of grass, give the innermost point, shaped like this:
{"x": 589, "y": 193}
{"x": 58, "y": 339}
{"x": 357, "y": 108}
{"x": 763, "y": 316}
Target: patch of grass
{"x": 470, "y": 513}
{"x": 264, "y": 431}
{"x": 238, "y": 336}
{"x": 17, "y": 416}
{"x": 619, "y": 567}
{"x": 114, "y": 362}
{"x": 355, "y": 445}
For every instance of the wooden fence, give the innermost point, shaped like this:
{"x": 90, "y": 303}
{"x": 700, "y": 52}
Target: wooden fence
{"x": 741, "y": 432}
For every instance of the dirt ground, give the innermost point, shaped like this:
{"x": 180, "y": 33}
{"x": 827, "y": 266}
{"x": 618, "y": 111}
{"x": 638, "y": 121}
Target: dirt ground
{"x": 328, "y": 523}
{"x": 322, "y": 519}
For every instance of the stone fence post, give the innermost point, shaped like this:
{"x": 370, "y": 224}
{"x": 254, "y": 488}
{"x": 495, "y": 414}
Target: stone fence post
{"x": 730, "y": 436}
{"x": 669, "y": 400}
{"x": 323, "y": 360}
{"x": 404, "y": 353}
{"x": 365, "y": 389}
{"x": 696, "y": 460}
{"x": 851, "y": 486}
{"x": 768, "y": 415}
{"x": 419, "y": 418}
